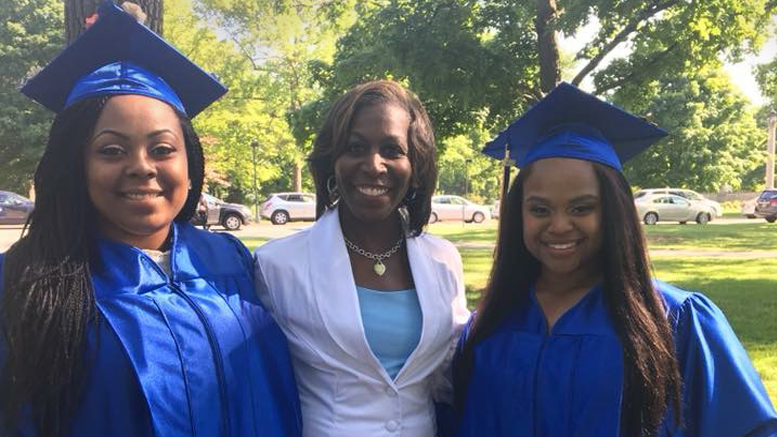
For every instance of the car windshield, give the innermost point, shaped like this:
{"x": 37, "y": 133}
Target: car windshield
{"x": 769, "y": 195}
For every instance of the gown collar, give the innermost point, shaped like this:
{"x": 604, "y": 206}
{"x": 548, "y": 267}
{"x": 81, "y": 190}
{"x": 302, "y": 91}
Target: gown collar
{"x": 589, "y": 316}
{"x": 122, "y": 268}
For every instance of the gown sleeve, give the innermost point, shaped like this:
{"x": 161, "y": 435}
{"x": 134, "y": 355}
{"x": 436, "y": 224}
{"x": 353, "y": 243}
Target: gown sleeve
{"x": 722, "y": 393}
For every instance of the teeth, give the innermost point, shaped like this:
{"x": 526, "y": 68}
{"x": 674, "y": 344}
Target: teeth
{"x": 371, "y": 191}
{"x": 140, "y": 196}
{"x": 562, "y": 246}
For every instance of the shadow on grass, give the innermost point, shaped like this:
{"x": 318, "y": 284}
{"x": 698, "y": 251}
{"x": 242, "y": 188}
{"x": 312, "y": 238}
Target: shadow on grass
{"x": 735, "y": 236}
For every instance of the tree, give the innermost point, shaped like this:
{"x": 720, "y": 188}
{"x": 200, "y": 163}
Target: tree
{"x": 714, "y": 139}
{"x": 245, "y": 114}
{"x": 77, "y": 13}
{"x": 280, "y": 40}
{"x": 30, "y": 35}
{"x": 482, "y": 60}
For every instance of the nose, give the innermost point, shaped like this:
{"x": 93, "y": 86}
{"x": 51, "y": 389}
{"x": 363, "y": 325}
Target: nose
{"x": 374, "y": 163}
{"x": 140, "y": 165}
{"x": 560, "y": 222}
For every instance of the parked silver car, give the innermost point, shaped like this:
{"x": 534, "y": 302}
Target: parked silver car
{"x": 282, "y": 208}
{"x": 14, "y": 209}
{"x": 668, "y": 207}
{"x": 457, "y": 208}
{"x": 715, "y": 208}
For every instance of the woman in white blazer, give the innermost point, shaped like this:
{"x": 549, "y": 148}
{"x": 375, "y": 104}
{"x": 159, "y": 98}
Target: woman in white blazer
{"x": 371, "y": 304}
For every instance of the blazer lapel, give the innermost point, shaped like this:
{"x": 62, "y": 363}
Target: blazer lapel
{"x": 334, "y": 290}
{"x": 427, "y": 283}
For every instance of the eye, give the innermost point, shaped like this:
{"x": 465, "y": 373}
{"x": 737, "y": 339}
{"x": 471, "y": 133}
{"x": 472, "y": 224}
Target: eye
{"x": 162, "y": 149}
{"x": 583, "y": 209}
{"x": 392, "y": 151}
{"x": 354, "y": 148}
{"x": 539, "y": 210}
{"x": 111, "y": 150}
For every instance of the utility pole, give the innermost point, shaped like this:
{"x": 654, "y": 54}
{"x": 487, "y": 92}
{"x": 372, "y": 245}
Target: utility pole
{"x": 770, "y": 151}
{"x": 254, "y": 145}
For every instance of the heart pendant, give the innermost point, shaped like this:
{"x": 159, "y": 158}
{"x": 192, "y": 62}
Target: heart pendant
{"x": 379, "y": 268}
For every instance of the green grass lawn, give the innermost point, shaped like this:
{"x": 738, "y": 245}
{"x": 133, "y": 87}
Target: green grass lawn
{"x": 745, "y": 289}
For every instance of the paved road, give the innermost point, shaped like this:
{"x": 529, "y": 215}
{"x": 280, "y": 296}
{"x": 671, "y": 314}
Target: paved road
{"x": 9, "y": 234}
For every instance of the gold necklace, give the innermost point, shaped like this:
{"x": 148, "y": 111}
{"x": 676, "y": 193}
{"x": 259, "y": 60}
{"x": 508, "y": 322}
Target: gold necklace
{"x": 379, "y": 268}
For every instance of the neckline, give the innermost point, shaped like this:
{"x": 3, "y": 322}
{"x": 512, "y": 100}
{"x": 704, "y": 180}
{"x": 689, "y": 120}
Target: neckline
{"x": 593, "y": 291}
{"x": 385, "y": 292}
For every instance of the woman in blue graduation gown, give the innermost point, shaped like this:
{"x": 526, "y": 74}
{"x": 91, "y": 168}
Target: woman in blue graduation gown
{"x": 118, "y": 317}
{"x": 573, "y": 337}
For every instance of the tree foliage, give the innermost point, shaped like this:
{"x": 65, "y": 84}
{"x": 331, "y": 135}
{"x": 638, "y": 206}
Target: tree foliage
{"x": 282, "y": 40}
{"x": 714, "y": 140}
{"x": 31, "y": 33}
{"x": 476, "y": 63}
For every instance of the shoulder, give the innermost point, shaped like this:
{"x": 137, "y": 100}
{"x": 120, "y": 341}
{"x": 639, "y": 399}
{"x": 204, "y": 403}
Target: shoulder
{"x": 682, "y": 304}
{"x": 438, "y": 248}
{"x": 290, "y": 244}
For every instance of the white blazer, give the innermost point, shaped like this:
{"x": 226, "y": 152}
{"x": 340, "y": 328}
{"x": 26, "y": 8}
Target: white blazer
{"x": 305, "y": 280}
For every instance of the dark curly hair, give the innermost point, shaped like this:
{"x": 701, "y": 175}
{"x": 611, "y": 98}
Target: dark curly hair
{"x": 331, "y": 143}
{"x": 48, "y": 300}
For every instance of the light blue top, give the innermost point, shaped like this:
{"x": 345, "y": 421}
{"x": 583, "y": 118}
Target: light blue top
{"x": 392, "y": 323}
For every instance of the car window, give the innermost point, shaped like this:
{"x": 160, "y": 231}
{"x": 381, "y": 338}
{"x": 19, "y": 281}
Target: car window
{"x": 457, "y": 201}
{"x": 282, "y": 196}
{"x": 639, "y": 194}
{"x": 309, "y": 198}
{"x": 680, "y": 201}
{"x": 294, "y": 198}
{"x": 768, "y": 195}
{"x": 442, "y": 200}
{"x": 3, "y": 198}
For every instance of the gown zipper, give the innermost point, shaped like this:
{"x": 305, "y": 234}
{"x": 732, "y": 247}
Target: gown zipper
{"x": 217, "y": 359}
{"x": 214, "y": 346}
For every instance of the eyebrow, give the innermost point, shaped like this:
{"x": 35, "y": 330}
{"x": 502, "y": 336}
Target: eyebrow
{"x": 362, "y": 137}
{"x": 583, "y": 198}
{"x": 126, "y": 137}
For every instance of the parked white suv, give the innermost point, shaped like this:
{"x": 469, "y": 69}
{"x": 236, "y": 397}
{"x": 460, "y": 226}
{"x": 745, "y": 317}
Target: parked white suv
{"x": 691, "y": 195}
{"x": 281, "y": 208}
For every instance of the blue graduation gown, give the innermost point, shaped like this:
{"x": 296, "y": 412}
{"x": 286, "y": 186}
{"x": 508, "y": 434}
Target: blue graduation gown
{"x": 191, "y": 355}
{"x": 528, "y": 382}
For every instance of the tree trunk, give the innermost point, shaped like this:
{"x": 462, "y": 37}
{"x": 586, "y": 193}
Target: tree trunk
{"x": 297, "y": 177}
{"x": 77, "y": 12}
{"x": 547, "y": 47}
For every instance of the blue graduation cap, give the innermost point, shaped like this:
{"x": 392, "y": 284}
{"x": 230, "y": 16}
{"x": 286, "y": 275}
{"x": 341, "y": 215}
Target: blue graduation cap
{"x": 119, "y": 55}
{"x": 571, "y": 123}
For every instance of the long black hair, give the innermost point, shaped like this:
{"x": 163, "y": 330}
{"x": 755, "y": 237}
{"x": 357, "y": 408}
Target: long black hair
{"x": 48, "y": 301}
{"x": 652, "y": 380}
{"x": 331, "y": 143}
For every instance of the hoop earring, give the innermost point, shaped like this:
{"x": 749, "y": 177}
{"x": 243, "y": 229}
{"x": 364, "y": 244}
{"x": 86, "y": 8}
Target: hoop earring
{"x": 410, "y": 196}
{"x": 331, "y": 187}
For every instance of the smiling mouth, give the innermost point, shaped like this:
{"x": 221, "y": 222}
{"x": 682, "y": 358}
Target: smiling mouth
{"x": 140, "y": 196}
{"x": 562, "y": 246}
{"x": 372, "y": 191}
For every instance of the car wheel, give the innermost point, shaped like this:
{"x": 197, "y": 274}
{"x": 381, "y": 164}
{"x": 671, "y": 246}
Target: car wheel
{"x": 751, "y": 216}
{"x": 771, "y": 219}
{"x": 279, "y": 217}
{"x": 703, "y": 218}
{"x": 433, "y": 218}
{"x": 651, "y": 218}
{"x": 478, "y": 217}
{"x": 683, "y": 223}
{"x": 232, "y": 222}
